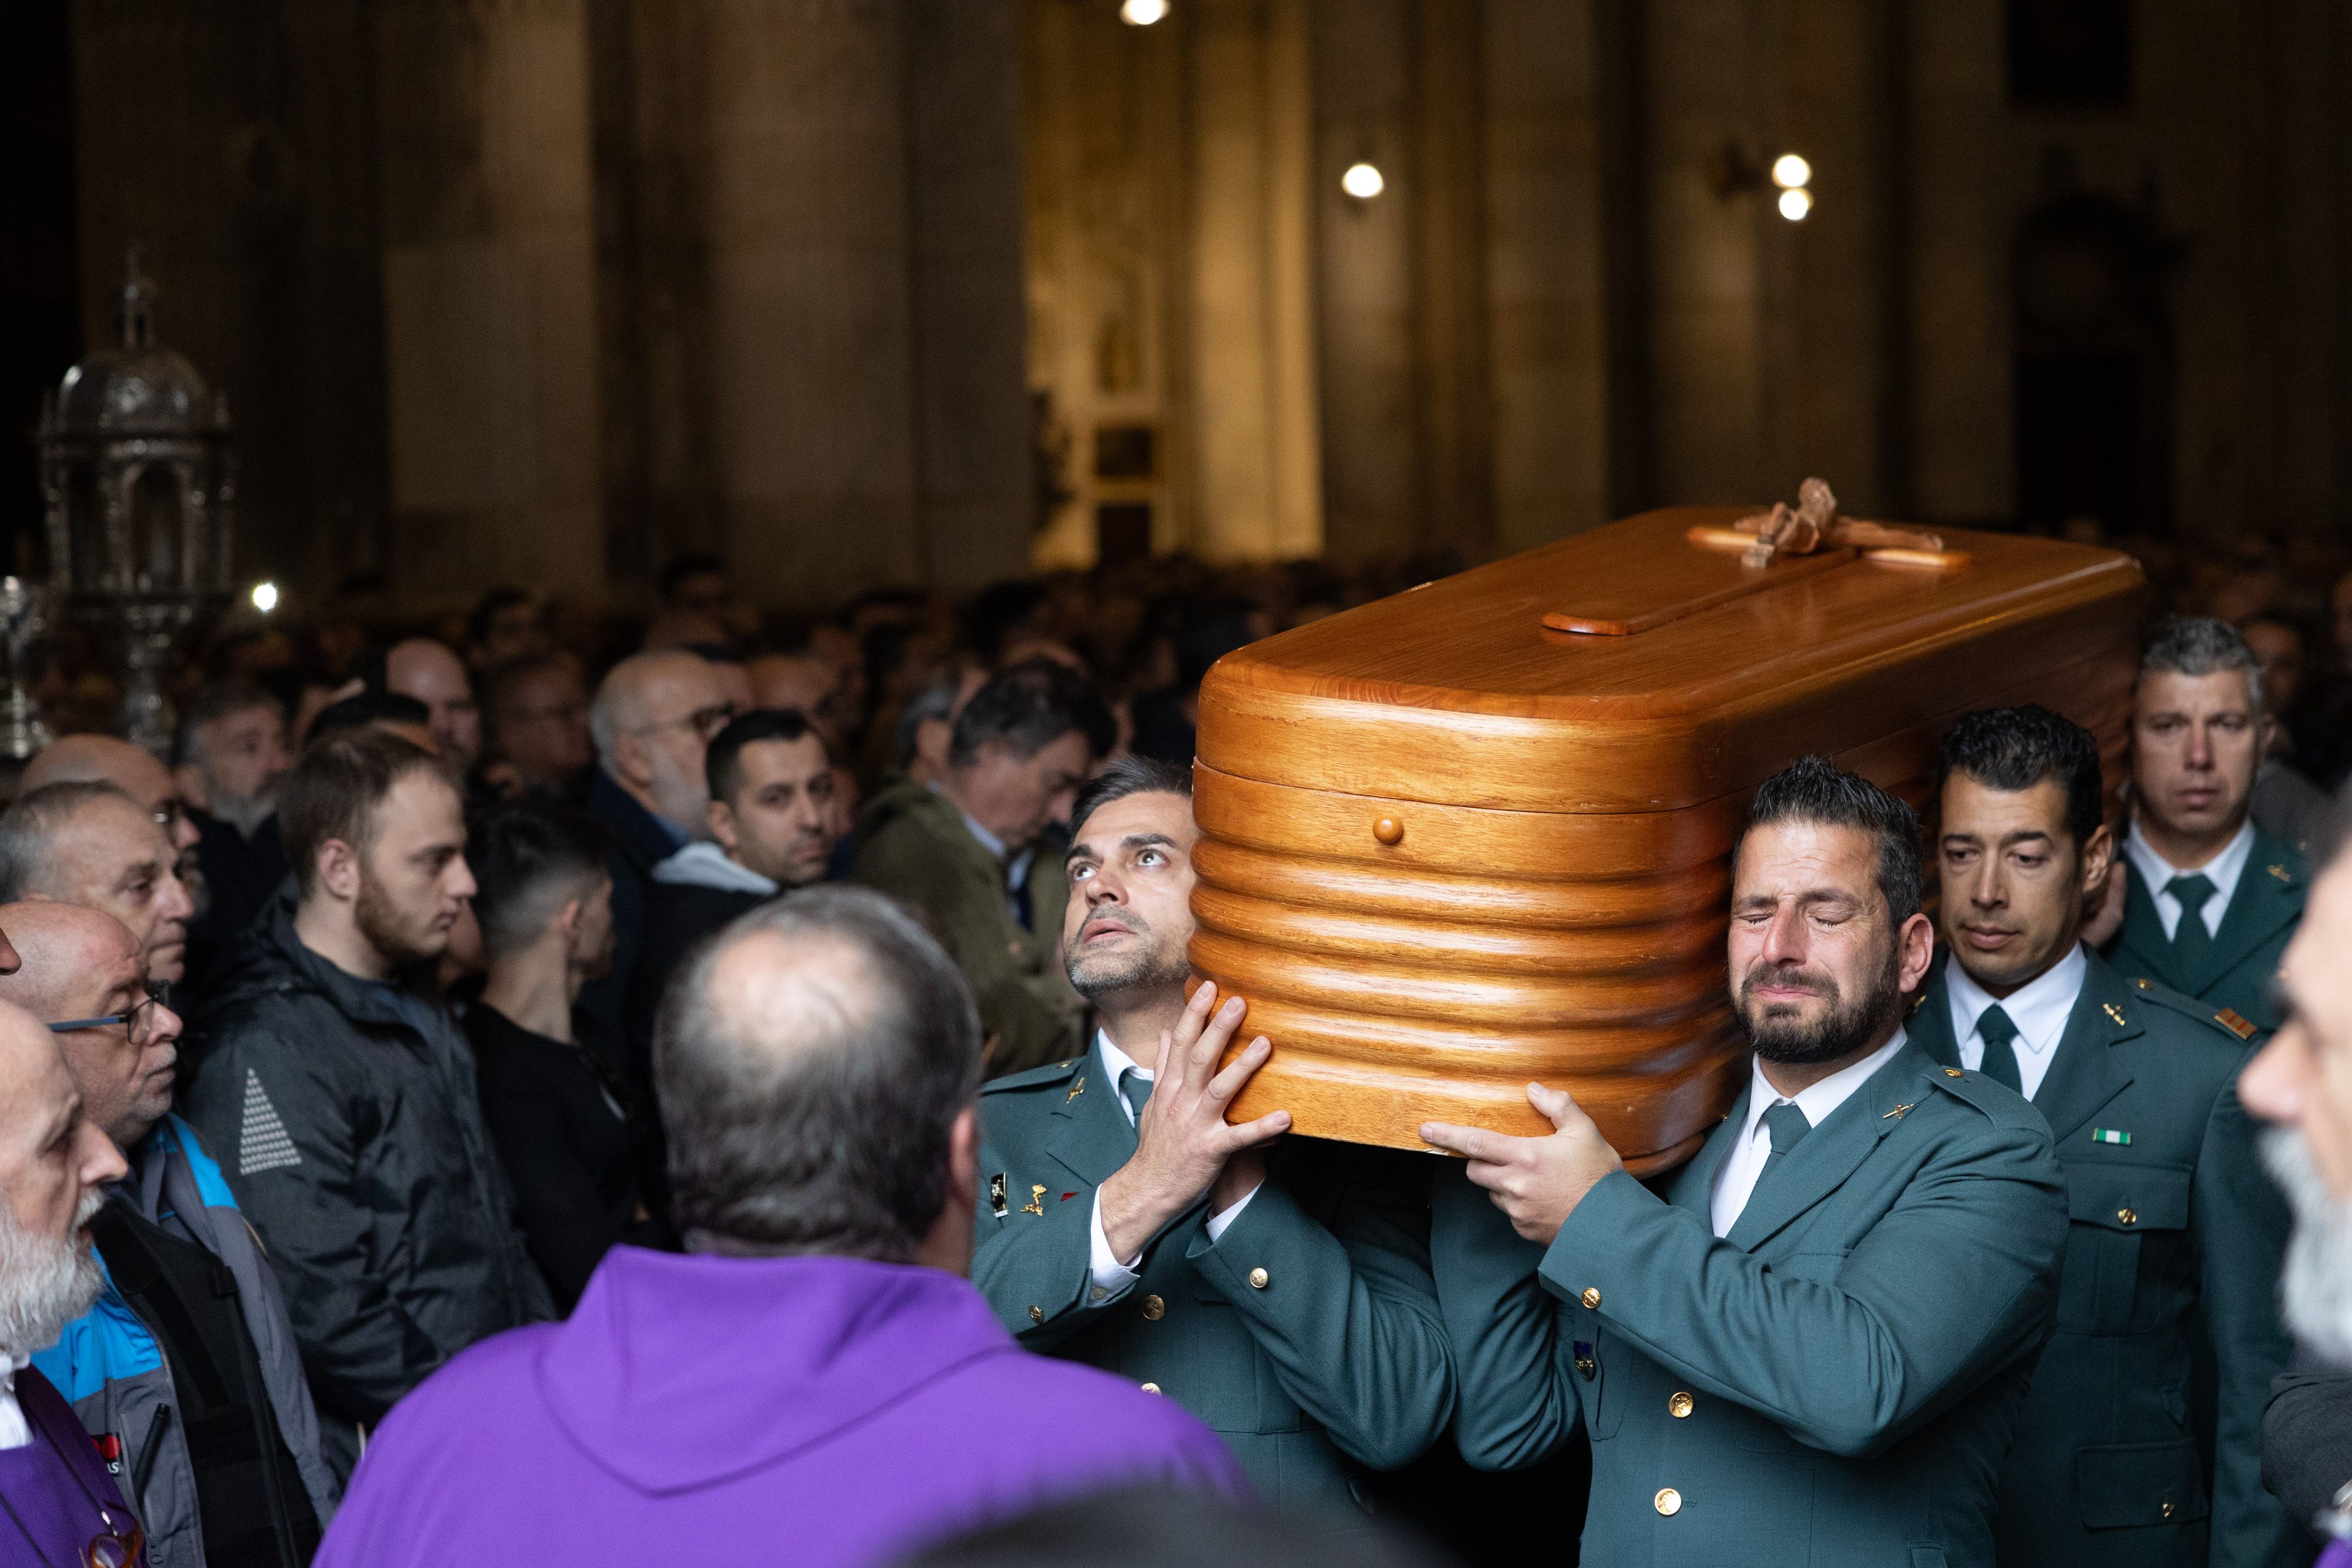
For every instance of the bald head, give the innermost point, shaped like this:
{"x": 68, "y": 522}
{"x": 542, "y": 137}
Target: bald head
{"x": 817, "y": 1064}
{"x": 651, "y": 688}
{"x": 103, "y": 759}
{"x": 428, "y": 671}
{"x": 651, "y": 718}
{"x": 81, "y": 964}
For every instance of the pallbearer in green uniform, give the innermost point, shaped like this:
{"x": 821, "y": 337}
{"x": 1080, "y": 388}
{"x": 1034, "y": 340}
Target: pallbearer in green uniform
{"x": 1810, "y": 1346}
{"x": 2178, "y": 1235}
{"x": 1282, "y": 1295}
{"x": 2207, "y": 901}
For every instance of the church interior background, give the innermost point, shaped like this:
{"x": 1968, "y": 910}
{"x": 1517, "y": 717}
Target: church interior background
{"x": 936, "y": 292}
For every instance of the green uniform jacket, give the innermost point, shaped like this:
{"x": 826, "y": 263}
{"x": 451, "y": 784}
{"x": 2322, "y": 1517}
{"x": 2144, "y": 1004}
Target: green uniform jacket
{"x": 2263, "y": 910}
{"x": 2107, "y": 1469}
{"x": 1307, "y": 1332}
{"x": 1831, "y": 1385}
{"x": 914, "y": 845}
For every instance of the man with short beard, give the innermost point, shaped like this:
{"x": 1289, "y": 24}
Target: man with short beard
{"x": 1282, "y": 1296}
{"x": 1809, "y": 1345}
{"x": 59, "y": 1501}
{"x": 2173, "y": 1252}
{"x": 231, "y": 752}
{"x": 340, "y": 1094}
{"x": 2301, "y": 1081}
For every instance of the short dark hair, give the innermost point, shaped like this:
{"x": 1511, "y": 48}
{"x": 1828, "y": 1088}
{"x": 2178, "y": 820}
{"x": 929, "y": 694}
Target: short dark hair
{"x": 824, "y": 1129}
{"x": 1162, "y": 1526}
{"x": 353, "y": 714}
{"x": 697, "y": 563}
{"x": 336, "y": 789}
{"x": 2014, "y": 749}
{"x": 528, "y": 860}
{"x": 29, "y": 827}
{"x": 1815, "y": 789}
{"x": 1028, "y": 707}
{"x": 1128, "y": 775}
{"x": 215, "y": 701}
{"x": 722, "y": 760}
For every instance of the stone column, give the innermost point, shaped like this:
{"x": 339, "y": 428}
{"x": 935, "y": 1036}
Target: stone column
{"x": 489, "y": 296}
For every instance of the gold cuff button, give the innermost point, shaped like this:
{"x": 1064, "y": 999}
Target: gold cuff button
{"x": 1678, "y": 1405}
{"x": 1668, "y": 1501}
{"x": 2129, "y": 1217}
{"x": 1591, "y": 1297}
{"x": 1389, "y": 831}
{"x": 1154, "y": 1309}
{"x": 1036, "y": 1314}
{"x": 1257, "y": 1278}
{"x": 1151, "y": 1388}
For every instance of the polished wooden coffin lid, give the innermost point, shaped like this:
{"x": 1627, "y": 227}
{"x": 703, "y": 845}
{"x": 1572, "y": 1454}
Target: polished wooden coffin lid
{"x": 1446, "y": 847}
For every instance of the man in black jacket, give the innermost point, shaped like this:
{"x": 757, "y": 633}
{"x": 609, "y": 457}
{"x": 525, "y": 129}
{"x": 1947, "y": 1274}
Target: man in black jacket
{"x": 341, "y": 1101}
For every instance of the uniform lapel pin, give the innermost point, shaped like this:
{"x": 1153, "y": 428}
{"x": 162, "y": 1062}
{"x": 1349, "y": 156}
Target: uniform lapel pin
{"x": 997, "y": 1195}
{"x": 1037, "y": 1204}
{"x": 2109, "y": 1136}
{"x": 2280, "y": 871}
{"x": 2113, "y": 1012}
{"x": 1897, "y": 1115}
{"x": 1075, "y": 1089}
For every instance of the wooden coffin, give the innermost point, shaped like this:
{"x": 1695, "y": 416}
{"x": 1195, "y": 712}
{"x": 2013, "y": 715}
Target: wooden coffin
{"x": 1447, "y": 848}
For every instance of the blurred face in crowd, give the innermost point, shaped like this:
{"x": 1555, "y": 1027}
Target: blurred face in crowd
{"x": 2014, "y": 881}
{"x": 2279, "y": 646}
{"x": 513, "y": 631}
{"x": 677, "y": 705}
{"x": 588, "y": 946}
{"x": 780, "y": 820}
{"x": 1130, "y": 912}
{"x": 54, "y": 1163}
{"x": 802, "y": 684}
{"x": 101, "y": 759}
{"x": 702, "y": 593}
{"x": 410, "y": 886}
{"x": 2301, "y": 1082}
{"x": 86, "y": 968}
{"x": 2197, "y": 743}
{"x": 112, "y": 857}
{"x": 542, "y": 724}
{"x": 237, "y": 760}
{"x": 423, "y": 669}
{"x": 1819, "y": 964}
{"x": 1014, "y": 797}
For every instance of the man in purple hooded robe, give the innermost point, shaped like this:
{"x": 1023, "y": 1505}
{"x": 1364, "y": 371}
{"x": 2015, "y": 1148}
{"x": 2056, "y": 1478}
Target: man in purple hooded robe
{"x": 816, "y": 1382}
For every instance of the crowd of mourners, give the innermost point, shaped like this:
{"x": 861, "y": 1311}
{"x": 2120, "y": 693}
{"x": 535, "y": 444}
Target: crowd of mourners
{"x": 633, "y": 985}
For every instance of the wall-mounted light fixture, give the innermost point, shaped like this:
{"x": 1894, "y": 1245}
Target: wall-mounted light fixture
{"x": 1362, "y": 180}
{"x": 1793, "y": 175}
{"x": 1142, "y": 13}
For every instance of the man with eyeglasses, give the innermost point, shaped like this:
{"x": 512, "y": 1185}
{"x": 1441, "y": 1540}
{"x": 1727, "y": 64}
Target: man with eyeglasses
{"x": 654, "y": 716}
{"x": 185, "y": 1368}
{"x": 92, "y": 844}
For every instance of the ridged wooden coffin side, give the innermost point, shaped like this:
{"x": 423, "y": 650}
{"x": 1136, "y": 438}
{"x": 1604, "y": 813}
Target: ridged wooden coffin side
{"x": 1434, "y": 977}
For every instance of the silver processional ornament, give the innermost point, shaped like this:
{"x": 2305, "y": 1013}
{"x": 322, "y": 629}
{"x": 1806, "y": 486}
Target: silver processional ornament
{"x": 140, "y": 489}
{"x": 23, "y": 617}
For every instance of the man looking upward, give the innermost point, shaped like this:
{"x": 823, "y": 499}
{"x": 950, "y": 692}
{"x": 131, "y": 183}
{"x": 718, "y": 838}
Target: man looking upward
{"x": 1283, "y": 1297}
{"x": 2209, "y": 900}
{"x": 1812, "y": 1347}
{"x": 2174, "y": 1252}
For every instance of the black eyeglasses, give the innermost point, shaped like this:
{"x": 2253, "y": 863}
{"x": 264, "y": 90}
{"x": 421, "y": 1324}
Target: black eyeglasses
{"x": 159, "y": 995}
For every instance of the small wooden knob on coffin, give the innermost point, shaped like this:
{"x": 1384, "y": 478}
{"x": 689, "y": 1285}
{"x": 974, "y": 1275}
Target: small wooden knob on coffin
{"x": 1389, "y": 831}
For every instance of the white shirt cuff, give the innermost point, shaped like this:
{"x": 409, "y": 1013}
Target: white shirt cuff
{"x": 1111, "y": 1277}
{"x": 1218, "y": 1222}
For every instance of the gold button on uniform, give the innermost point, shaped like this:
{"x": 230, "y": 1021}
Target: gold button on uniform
{"x": 1097, "y": 1295}
{"x": 1257, "y": 1278}
{"x": 1154, "y": 1309}
{"x": 1151, "y": 1388}
{"x": 1036, "y": 1314}
{"x": 2128, "y": 1216}
{"x": 1678, "y": 1405}
{"x": 1591, "y": 1297}
{"x": 1668, "y": 1501}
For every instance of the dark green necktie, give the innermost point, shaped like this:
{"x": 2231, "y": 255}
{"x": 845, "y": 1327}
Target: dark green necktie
{"x": 1999, "y": 1033}
{"x": 2191, "y": 943}
{"x": 1136, "y": 1090}
{"x": 1788, "y": 1126}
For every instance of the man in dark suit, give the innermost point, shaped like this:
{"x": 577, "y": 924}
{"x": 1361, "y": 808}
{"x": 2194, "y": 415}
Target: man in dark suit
{"x": 2207, "y": 900}
{"x": 1812, "y": 1347}
{"x": 2173, "y": 1254}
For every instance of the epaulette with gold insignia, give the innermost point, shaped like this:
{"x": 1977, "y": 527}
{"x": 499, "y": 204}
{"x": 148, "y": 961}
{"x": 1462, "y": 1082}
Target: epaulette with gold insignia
{"x": 2236, "y": 1026}
{"x": 2243, "y": 1028}
{"x": 1054, "y": 1072}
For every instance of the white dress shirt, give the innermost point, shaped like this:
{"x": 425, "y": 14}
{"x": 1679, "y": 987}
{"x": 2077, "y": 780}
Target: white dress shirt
{"x": 1735, "y": 1178}
{"x": 2223, "y": 871}
{"x": 1112, "y": 1277}
{"x": 14, "y": 1432}
{"x": 2039, "y": 1009}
